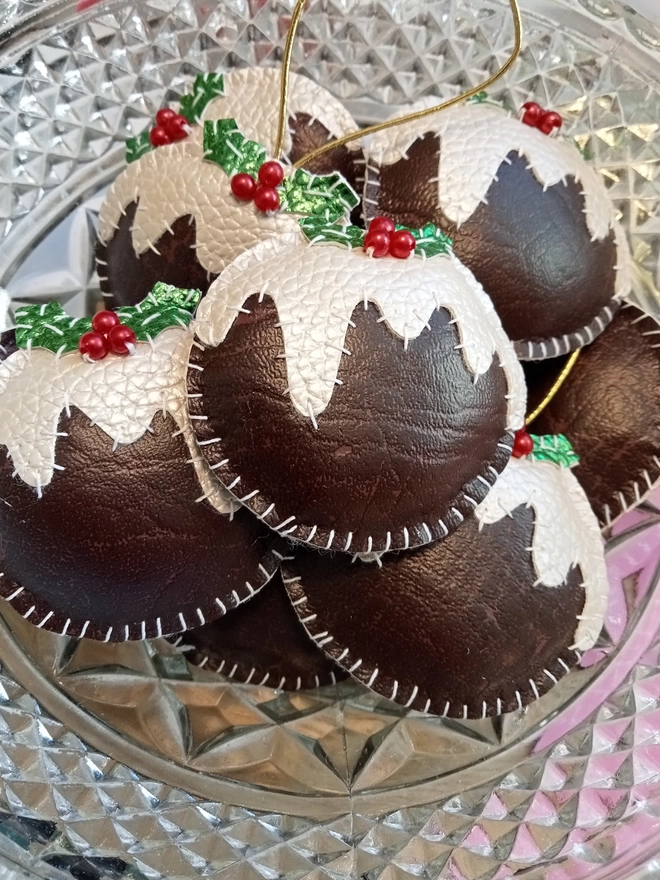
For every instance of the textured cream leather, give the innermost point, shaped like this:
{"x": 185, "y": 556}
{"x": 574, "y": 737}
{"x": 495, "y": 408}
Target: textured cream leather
{"x": 475, "y": 140}
{"x": 175, "y": 180}
{"x": 316, "y": 288}
{"x": 119, "y": 394}
{"x": 566, "y": 533}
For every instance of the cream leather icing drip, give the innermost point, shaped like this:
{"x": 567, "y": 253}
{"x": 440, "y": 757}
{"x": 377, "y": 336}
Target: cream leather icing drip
{"x": 175, "y": 180}
{"x": 316, "y": 288}
{"x": 475, "y": 140}
{"x": 119, "y": 394}
{"x": 566, "y": 533}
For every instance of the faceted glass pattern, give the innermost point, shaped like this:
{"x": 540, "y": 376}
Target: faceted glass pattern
{"x": 122, "y": 760}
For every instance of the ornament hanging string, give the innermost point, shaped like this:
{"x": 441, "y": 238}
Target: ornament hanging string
{"x": 563, "y": 376}
{"x": 286, "y": 70}
{"x": 391, "y": 123}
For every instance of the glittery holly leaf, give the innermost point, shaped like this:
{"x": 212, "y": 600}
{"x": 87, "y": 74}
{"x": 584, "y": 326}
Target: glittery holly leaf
{"x": 226, "y": 146}
{"x": 479, "y": 98}
{"x": 136, "y": 147}
{"x": 328, "y": 196}
{"x": 48, "y": 326}
{"x": 431, "y": 241}
{"x": 555, "y": 448}
{"x": 206, "y": 87}
{"x": 319, "y": 230}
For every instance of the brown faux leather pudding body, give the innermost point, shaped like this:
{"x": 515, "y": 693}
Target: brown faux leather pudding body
{"x": 609, "y": 407}
{"x": 530, "y": 248}
{"x": 406, "y": 435}
{"x": 469, "y": 639}
{"x": 119, "y": 538}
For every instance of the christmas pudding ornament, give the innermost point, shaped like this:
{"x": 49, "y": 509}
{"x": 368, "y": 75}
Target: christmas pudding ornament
{"x": 354, "y": 403}
{"x": 526, "y": 213}
{"x": 189, "y": 202}
{"x": 113, "y": 527}
{"x": 261, "y": 643}
{"x": 495, "y": 615}
{"x": 610, "y": 407}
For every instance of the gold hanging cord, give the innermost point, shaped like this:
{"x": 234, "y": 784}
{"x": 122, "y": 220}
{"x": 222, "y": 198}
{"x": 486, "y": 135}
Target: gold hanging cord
{"x": 383, "y": 126}
{"x": 563, "y": 376}
{"x": 286, "y": 70}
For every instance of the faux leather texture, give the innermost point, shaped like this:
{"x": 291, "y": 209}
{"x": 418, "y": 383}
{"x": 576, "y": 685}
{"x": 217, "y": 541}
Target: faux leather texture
{"x": 120, "y": 546}
{"x": 609, "y": 408}
{"x": 406, "y": 447}
{"x": 262, "y": 643}
{"x": 127, "y": 276}
{"x": 456, "y": 628}
{"x": 528, "y": 245}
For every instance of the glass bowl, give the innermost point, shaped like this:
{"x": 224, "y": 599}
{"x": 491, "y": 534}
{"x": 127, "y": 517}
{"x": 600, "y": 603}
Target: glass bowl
{"x": 122, "y": 760}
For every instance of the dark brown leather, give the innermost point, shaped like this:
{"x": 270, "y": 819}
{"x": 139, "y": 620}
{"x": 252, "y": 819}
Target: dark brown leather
{"x": 7, "y": 344}
{"x": 609, "y": 408}
{"x": 531, "y": 249}
{"x": 404, "y": 436}
{"x": 128, "y": 278}
{"x": 262, "y": 642}
{"x": 460, "y": 620}
{"x": 118, "y": 538}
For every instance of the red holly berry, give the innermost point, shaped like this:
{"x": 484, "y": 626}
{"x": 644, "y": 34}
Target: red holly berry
{"x": 549, "y": 122}
{"x": 103, "y": 322}
{"x": 163, "y": 116}
{"x": 267, "y": 199}
{"x": 271, "y": 174}
{"x": 94, "y": 345}
{"x": 244, "y": 187}
{"x": 377, "y": 244}
{"x": 382, "y": 224}
{"x": 532, "y": 113}
{"x": 402, "y": 244}
{"x": 177, "y": 127}
{"x": 120, "y": 339}
{"x": 159, "y": 137}
{"x": 522, "y": 444}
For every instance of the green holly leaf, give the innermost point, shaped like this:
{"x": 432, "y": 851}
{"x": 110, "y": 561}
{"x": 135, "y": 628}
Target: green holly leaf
{"x": 206, "y": 87}
{"x": 48, "y": 326}
{"x": 136, "y": 147}
{"x": 319, "y": 230}
{"x": 328, "y": 196}
{"x": 431, "y": 241}
{"x": 226, "y": 146}
{"x": 164, "y": 307}
{"x": 555, "y": 448}
{"x": 479, "y": 98}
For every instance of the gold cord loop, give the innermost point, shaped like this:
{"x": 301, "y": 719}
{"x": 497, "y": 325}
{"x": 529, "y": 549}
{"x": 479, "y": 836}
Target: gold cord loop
{"x": 563, "y": 376}
{"x": 410, "y": 117}
{"x": 286, "y": 70}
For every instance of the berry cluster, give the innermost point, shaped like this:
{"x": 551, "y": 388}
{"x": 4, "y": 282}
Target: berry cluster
{"x": 546, "y": 121}
{"x": 170, "y": 127}
{"x": 522, "y": 444}
{"x": 383, "y": 239}
{"x": 263, "y": 192}
{"x": 108, "y": 334}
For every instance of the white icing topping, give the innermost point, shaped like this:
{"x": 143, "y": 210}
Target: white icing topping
{"x": 316, "y": 288}
{"x": 119, "y": 394}
{"x": 566, "y": 533}
{"x": 175, "y": 180}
